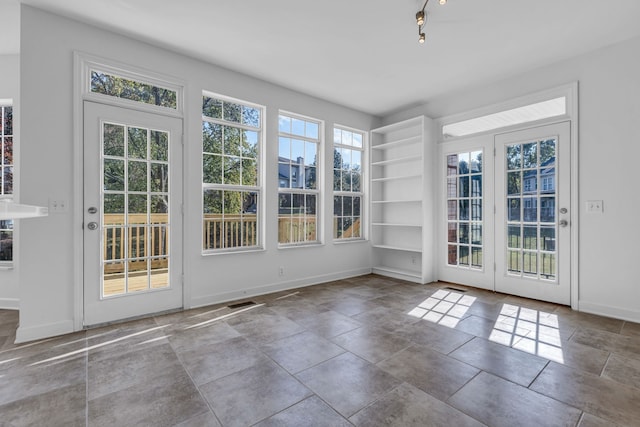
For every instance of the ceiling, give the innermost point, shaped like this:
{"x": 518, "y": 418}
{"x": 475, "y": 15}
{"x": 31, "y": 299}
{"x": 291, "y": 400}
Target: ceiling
{"x": 362, "y": 54}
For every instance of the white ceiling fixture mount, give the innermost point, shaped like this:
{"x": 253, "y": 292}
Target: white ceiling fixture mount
{"x": 421, "y": 19}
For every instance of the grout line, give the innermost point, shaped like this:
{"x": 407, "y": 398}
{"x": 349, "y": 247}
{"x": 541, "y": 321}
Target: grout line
{"x": 605, "y": 364}
{"x": 539, "y": 373}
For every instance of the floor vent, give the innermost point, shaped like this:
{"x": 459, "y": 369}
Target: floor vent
{"x": 454, "y": 289}
{"x": 241, "y": 304}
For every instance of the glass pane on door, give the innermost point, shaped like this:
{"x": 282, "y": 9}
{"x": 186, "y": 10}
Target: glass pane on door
{"x": 135, "y": 209}
{"x": 531, "y": 205}
{"x": 464, "y": 180}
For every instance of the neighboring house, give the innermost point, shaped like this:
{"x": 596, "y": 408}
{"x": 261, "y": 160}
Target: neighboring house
{"x": 530, "y": 182}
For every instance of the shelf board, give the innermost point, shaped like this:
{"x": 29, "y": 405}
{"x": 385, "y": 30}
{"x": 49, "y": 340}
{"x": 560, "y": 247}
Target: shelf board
{"x": 405, "y": 124}
{"x": 398, "y": 248}
{"x": 381, "y": 269}
{"x": 394, "y": 178}
{"x": 405, "y": 141}
{"x": 406, "y": 159}
{"x": 392, "y": 224}
{"x": 396, "y": 201}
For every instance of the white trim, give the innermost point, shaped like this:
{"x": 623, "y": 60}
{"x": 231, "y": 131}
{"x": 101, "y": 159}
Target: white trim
{"x": 44, "y": 331}
{"x": 276, "y": 287}
{"x": 9, "y": 304}
{"x": 610, "y": 311}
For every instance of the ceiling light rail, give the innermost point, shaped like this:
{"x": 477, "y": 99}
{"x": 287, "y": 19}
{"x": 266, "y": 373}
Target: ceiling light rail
{"x": 421, "y": 20}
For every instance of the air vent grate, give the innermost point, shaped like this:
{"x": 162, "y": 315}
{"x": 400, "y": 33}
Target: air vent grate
{"x": 454, "y": 289}
{"x": 241, "y": 304}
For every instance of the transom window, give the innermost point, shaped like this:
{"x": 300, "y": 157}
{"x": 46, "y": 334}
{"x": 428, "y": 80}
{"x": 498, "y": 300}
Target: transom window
{"x": 298, "y": 176}
{"x": 231, "y": 150}
{"x": 120, "y": 87}
{"x": 348, "y": 148}
{"x": 6, "y": 180}
{"x": 464, "y": 209}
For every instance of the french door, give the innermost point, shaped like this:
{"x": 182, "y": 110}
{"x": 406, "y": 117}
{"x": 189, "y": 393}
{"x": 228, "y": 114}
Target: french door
{"x": 504, "y": 222}
{"x": 132, "y": 213}
{"x": 532, "y": 213}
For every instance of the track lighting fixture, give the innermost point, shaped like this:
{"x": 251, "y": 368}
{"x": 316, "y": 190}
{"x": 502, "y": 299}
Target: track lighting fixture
{"x": 421, "y": 20}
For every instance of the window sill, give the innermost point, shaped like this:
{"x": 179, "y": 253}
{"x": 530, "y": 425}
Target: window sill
{"x": 232, "y": 251}
{"x": 348, "y": 241}
{"x": 6, "y": 267}
{"x": 301, "y": 245}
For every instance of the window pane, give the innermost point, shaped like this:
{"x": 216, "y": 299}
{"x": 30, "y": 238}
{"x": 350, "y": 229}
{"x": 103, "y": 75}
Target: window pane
{"x": 211, "y": 138}
{"x": 113, "y": 140}
{"x": 232, "y": 141}
{"x": 212, "y": 107}
{"x": 113, "y": 175}
{"x": 137, "y": 143}
{"x": 159, "y": 145}
{"x": 120, "y": 87}
{"x": 250, "y": 144}
{"x": 137, "y": 176}
{"x": 297, "y": 127}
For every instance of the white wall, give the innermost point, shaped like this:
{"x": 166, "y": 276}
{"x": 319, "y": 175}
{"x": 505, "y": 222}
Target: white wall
{"x": 609, "y": 146}
{"x": 47, "y": 261}
{"x": 10, "y": 89}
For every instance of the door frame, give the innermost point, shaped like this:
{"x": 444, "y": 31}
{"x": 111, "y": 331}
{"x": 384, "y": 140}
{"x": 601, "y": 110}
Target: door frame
{"x": 82, "y": 63}
{"x": 570, "y": 92}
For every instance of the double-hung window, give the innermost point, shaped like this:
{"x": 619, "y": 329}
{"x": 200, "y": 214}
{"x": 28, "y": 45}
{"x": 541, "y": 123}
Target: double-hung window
{"x": 6, "y": 180}
{"x": 298, "y": 178}
{"x": 348, "y": 148}
{"x": 231, "y": 183}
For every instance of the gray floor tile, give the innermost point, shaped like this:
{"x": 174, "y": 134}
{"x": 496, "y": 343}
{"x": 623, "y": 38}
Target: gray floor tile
{"x": 437, "y": 374}
{"x": 253, "y": 394}
{"x": 210, "y": 362}
{"x": 301, "y": 351}
{"x": 263, "y": 325}
{"x": 372, "y": 344}
{"x": 164, "y": 400}
{"x": 329, "y": 323}
{"x": 623, "y": 345}
{"x": 385, "y": 318}
{"x": 348, "y": 383}
{"x": 115, "y": 373}
{"x": 513, "y": 365}
{"x": 623, "y": 370}
{"x": 501, "y": 403}
{"x": 65, "y": 406}
{"x": 407, "y": 406}
{"x": 439, "y": 338}
{"x": 589, "y": 420}
{"x": 595, "y": 395}
{"x": 34, "y": 380}
{"x": 206, "y": 419}
{"x": 311, "y": 412}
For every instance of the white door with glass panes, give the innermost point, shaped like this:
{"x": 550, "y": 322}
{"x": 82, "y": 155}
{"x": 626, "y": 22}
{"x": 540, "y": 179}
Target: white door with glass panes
{"x": 533, "y": 230}
{"x": 132, "y": 213}
{"x": 505, "y": 212}
{"x": 466, "y": 251}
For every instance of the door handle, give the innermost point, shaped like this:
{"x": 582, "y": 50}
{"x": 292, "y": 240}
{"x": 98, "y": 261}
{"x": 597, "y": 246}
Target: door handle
{"x": 92, "y": 226}
{"x": 563, "y": 223}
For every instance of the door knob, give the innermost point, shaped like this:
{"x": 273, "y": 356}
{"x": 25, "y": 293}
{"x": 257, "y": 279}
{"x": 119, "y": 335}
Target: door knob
{"x": 92, "y": 226}
{"x": 563, "y": 223}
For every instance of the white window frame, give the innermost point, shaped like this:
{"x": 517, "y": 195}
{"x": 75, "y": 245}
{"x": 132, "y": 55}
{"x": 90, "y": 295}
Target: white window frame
{"x": 88, "y": 63}
{"x": 259, "y": 246}
{"x": 318, "y": 191}
{"x": 360, "y": 193}
{"x": 8, "y": 264}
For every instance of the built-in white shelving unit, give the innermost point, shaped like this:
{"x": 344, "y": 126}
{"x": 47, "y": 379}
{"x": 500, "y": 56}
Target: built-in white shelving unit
{"x": 400, "y": 184}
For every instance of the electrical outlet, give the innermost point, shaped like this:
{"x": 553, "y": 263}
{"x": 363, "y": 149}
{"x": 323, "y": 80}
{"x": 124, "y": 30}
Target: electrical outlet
{"x": 280, "y": 271}
{"x": 595, "y": 206}
{"x": 58, "y": 206}
{"x": 414, "y": 260}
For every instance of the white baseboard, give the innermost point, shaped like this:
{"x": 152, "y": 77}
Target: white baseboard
{"x": 275, "y": 287}
{"x": 609, "y": 311}
{"x": 31, "y": 333}
{"x": 9, "y": 303}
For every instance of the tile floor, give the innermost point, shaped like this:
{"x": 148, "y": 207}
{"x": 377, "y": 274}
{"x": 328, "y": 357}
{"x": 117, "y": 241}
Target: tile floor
{"x": 368, "y": 351}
